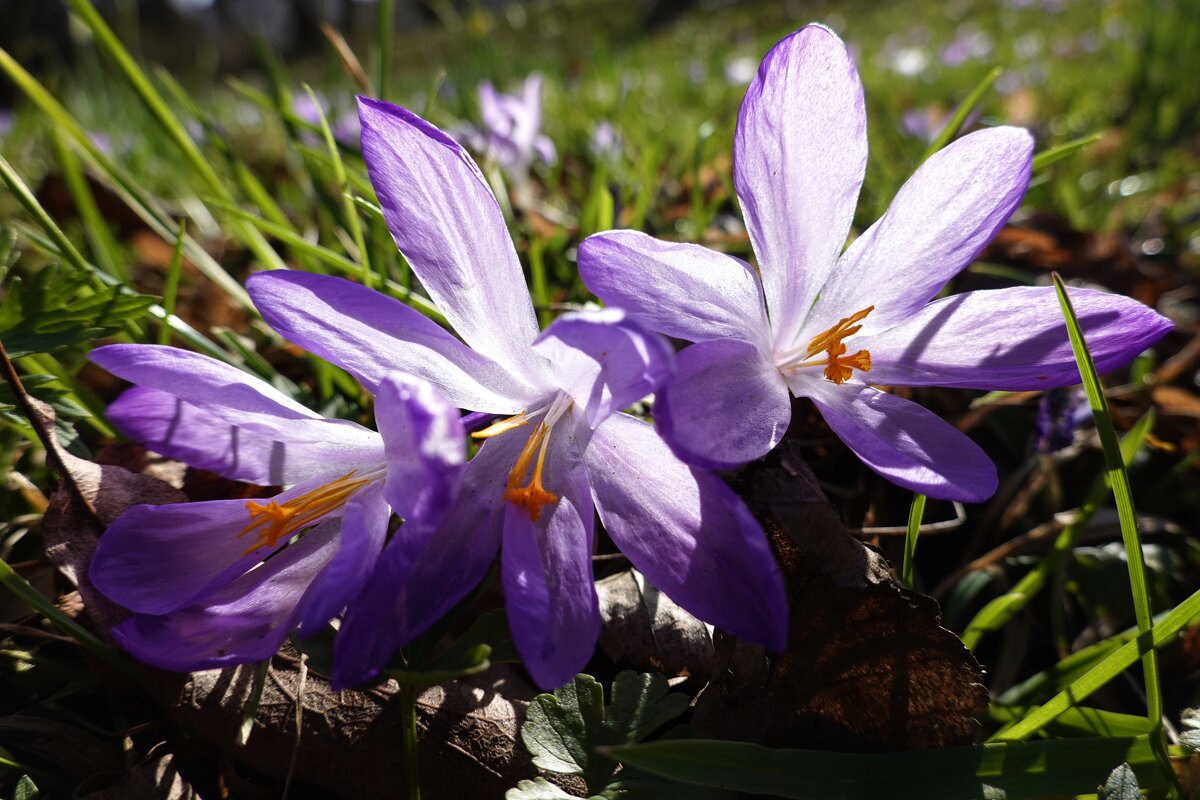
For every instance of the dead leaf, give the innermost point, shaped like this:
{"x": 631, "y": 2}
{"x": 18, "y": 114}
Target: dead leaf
{"x": 868, "y": 666}
{"x": 645, "y": 630}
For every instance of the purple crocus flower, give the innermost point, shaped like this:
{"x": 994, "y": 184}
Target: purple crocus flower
{"x": 511, "y": 130}
{"x": 224, "y": 581}
{"x": 559, "y": 449}
{"x": 819, "y": 321}
{"x": 7, "y": 118}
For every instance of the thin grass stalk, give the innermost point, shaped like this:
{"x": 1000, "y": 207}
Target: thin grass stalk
{"x": 916, "y": 513}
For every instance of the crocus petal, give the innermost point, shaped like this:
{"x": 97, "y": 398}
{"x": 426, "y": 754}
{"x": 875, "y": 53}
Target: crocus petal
{"x": 937, "y": 224}
{"x": 156, "y": 559}
{"x": 686, "y": 531}
{"x": 1012, "y": 339}
{"x": 424, "y": 571}
{"x": 604, "y": 360}
{"x": 545, "y": 150}
{"x": 682, "y": 290}
{"x": 546, "y": 566}
{"x": 363, "y": 531}
{"x": 448, "y": 226}
{"x": 799, "y": 155}
{"x": 425, "y": 447}
{"x": 904, "y": 442}
{"x": 371, "y": 335}
{"x": 296, "y": 452}
{"x": 725, "y": 405}
{"x": 247, "y": 620}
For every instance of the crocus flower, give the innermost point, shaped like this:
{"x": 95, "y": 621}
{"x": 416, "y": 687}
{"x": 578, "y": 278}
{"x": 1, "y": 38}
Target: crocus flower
{"x": 559, "y": 448}
{"x": 6, "y": 121}
{"x": 823, "y": 323}
{"x": 224, "y": 581}
{"x": 511, "y": 131}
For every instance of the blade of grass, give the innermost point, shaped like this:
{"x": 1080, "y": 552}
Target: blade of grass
{"x": 1166, "y": 629}
{"x": 1123, "y": 496}
{"x": 962, "y": 112}
{"x": 142, "y": 202}
{"x": 1059, "y": 152}
{"x": 41, "y": 604}
{"x": 915, "y": 514}
{"x": 385, "y": 27}
{"x": 103, "y": 246}
{"x": 174, "y": 269}
{"x": 349, "y": 210}
{"x": 1002, "y": 609}
{"x": 158, "y": 108}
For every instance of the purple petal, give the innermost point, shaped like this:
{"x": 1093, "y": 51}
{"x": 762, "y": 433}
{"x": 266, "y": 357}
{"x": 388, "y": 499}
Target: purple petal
{"x": 546, "y": 565}
{"x": 1012, "y": 339}
{"x": 687, "y": 532}
{"x": 370, "y": 335}
{"x": 904, "y": 442}
{"x": 425, "y": 445}
{"x": 244, "y": 621}
{"x": 297, "y": 452}
{"x": 423, "y": 572}
{"x": 683, "y": 290}
{"x": 937, "y": 224}
{"x": 724, "y": 406}
{"x": 604, "y": 360}
{"x": 156, "y": 559}
{"x": 363, "y": 531}
{"x": 799, "y": 154}
{"x": 448, "y": 225}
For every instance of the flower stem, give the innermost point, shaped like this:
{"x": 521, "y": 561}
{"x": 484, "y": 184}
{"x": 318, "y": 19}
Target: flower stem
{"x": 411, "y": 773}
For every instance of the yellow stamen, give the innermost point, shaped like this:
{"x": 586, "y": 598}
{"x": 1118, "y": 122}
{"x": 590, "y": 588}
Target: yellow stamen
{"x": 826, "y": 340}
{"x": 841, "y": 366}
{"x": 502, "y": 426}
{"x": 532, "y": 496}
{"x": 273, "y": 522}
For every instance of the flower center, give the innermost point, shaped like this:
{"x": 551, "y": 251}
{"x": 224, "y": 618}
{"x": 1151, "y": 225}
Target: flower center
{"x": 838, "y": 366}
{"x": 274, "y": 522}
{"x": 531, "y": 496}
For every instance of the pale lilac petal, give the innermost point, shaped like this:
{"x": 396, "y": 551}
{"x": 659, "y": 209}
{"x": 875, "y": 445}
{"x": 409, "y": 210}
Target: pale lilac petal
{"x": 199, "y": 379}
{"x": 244, "y": 621}
{"x": 682, "y": 290}
{"x": 546, "y": 566}
{"x": 156, "y": 559}
{"x": 799, "y": 155}
{"x": 363, "y": 531}
{"x": 604, "y": 360}
{"x": 687, "y": 532}
{"x": 937, "y": 224}
{"x": 371, "y": 335}
{"x": 1012, "y": 339}
{"x": 296, "y": 452}
{"x": 904, "y": 442}
{"x": 725, "y": 405}
{"x": 545, "y": 150}
{"x": 448, "y": 226}
{"x": 423, "y": 572}
{"x": 425, "y": 446}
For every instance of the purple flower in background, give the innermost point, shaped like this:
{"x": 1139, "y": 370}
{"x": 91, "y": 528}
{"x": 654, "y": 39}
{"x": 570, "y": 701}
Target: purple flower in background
{"x": 605, "y": 143}
{"x": 560, "y": 451}
{"x": 222, "y": 582}
{"x": 343, "y": 125}
{"x": 7, "y": 118}
{"x": 1060, "y": 413}
{"x": 821, "y": 321}
{"x": 511, "y": 130}
{"x": 968, "y": 44}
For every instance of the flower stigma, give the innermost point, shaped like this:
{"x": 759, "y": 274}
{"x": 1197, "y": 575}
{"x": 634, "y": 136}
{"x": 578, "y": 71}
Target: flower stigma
{"x": 838, "y": 366}
{"x": 274, "y": 522}
{"x": 533, "y": 495}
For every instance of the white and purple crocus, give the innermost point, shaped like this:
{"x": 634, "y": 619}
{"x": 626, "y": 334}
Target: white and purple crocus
{"x": 556, "y": 449}
{"x": 511, "y": 128}
{"x": 819, "y": 322}
{"x": 223, "y": 582}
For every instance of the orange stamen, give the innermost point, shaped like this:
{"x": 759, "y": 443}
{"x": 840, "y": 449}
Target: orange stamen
{"x": 532, "y": 496}
{"x": 826, "y": 340}
{"x": 272, "y": 523}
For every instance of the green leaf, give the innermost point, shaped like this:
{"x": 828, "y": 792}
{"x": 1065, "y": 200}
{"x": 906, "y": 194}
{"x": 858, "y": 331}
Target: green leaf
{"x": 1058, "y": 153}
{"x": 916, "y": 513}
{"x": 962, "y": 112}
{"x": 26, "y": 789}
{"x": 563, "y": 730}
{"x": 1122, "y": 784}
{"x": 55, "y": 310}
{"x": 537, "y": 789}
{"x": 1020, "y": 769}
